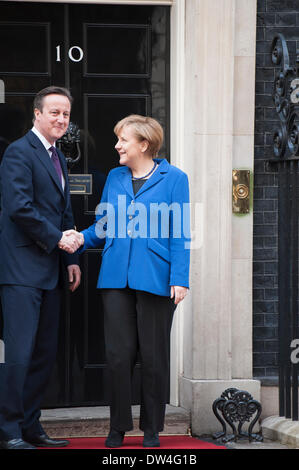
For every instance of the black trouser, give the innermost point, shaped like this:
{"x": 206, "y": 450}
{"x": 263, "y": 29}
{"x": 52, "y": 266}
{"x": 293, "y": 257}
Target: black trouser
{"x": 31, "y": 319}
{"x": 137, "y": 321}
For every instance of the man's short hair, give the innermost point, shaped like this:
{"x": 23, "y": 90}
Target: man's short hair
{"x": 50, "y": 90}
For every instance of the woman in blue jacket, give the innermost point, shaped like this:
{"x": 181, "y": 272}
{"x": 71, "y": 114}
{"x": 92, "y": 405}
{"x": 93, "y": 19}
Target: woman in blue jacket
{"x": 143, "y": 217}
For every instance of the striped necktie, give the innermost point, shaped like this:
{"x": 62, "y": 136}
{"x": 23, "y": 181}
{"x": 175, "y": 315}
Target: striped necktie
{"x": 56, "y": 163}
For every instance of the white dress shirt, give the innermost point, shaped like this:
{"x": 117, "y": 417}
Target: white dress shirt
{"x": 47, "y": 145}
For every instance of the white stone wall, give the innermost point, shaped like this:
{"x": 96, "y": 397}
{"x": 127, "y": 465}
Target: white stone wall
{"x": 218, "y": 137}
{"x": 243, "y": 157}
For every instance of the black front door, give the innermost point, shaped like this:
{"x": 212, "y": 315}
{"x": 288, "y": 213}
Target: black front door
{"x": 115, "y": 60}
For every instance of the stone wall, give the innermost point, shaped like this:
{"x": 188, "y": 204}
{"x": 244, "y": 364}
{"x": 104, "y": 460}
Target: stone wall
{"x": 219, "y": 137}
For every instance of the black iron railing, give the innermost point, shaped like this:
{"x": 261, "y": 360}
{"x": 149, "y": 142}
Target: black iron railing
{"x": 286, "y": 161}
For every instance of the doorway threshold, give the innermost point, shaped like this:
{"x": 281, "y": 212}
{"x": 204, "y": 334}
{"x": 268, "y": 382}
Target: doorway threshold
{"x": 94, "y": 421}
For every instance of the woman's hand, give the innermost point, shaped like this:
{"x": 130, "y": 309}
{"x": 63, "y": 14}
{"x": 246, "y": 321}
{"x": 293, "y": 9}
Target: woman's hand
{"x": 71, "y": 241}
{"x": 178, "y": 292}
{"x": 74, "y": 273}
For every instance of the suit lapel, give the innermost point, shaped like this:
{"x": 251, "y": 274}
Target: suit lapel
{"x": 158, "y": 175}
{"x": 126, "y": 178}
{"x": 41, "y": 152}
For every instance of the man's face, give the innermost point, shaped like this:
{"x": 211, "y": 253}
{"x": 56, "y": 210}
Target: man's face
{"x": 52, "y": 122}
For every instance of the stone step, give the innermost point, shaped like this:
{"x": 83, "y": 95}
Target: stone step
{"x": 94, "y": 421}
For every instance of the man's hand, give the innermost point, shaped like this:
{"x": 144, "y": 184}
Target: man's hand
{"x": 71, "y": 241}
{"x": 178, "y": 292}
{"x": 74, "y": 276}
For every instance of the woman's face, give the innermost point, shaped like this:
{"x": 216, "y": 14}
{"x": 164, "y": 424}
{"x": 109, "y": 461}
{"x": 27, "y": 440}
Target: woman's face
{"x": 129, "y": 148}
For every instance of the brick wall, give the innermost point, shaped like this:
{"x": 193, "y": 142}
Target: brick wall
{"x": 273, "y": 16}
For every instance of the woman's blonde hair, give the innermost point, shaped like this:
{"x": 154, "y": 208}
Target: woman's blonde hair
{"x": 144, "y": 128}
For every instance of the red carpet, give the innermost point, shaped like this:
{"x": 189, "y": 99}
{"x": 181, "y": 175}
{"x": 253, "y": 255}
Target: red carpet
{"x": 135, "y": 442}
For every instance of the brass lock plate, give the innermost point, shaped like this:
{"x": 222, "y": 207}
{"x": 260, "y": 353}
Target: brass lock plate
{"x": 241, "y": 191}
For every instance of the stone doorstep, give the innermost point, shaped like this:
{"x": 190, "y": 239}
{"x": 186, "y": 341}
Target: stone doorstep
{"x": 94, "y": 421}
{"x": 283, "y": 430}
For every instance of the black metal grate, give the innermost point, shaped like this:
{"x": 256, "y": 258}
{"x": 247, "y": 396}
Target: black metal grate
{"x": 286, "y": 152}
{"x": 288, "y": 171}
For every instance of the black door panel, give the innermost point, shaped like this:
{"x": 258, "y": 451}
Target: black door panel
{"x": 115, "y": 60}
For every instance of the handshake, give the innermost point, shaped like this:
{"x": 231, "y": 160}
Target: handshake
{"x": 71, "y": 240}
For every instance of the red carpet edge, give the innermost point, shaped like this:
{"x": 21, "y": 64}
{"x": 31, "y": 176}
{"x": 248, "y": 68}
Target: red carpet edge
{"x": 135, "y": 442}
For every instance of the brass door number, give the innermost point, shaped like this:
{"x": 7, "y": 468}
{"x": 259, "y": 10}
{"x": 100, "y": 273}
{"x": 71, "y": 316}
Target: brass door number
{"x": 241, "y": 191}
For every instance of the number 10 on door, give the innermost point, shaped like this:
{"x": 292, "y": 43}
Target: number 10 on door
{"x": 75, "y": 53}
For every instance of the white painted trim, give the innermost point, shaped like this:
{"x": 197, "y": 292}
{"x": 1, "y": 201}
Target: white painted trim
{"x": 177, "y": 102}
{"x": 106, "y": 2}
{"x": 2, "y": 91}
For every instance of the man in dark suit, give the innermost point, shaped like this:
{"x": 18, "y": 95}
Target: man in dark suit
{"x": 36, "y": 240}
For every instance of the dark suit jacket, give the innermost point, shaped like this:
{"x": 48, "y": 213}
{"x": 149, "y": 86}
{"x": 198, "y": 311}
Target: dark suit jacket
{"x": 35, "y": 210}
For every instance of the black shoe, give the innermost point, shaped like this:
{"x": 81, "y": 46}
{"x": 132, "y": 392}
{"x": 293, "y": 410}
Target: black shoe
{"x": 15, "y": 444}
{"x": 115, "y": 438}
{"x": 151, "y": 440}
{"x": 43, "y": 440}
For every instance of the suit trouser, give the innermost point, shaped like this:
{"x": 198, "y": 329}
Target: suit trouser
{"x": 137, "y": 321}
{"x": 31, "y": 320}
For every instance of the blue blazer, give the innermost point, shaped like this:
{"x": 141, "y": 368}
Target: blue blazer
{"x": 146, "y": 244}
{"x": 34, "y": 212}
